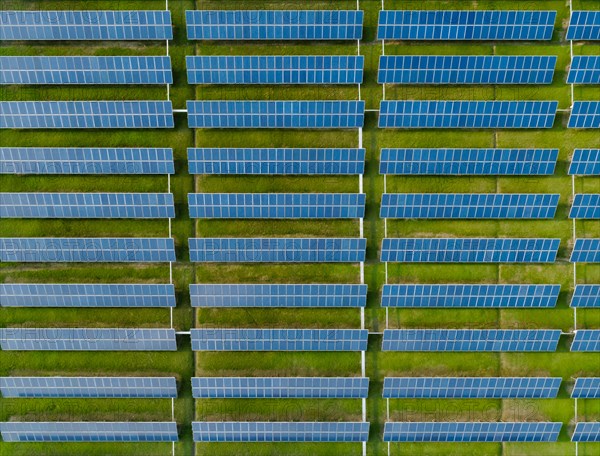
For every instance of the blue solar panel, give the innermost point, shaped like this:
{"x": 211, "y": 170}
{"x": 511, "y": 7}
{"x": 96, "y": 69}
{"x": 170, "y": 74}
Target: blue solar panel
{"x": 274, "y": 25}
{"x": 86, "y": 295}
{"x": 466, "y": 69}
{"x": 586, "y": 251}
{"x": 275, "y": 69}
{"x": 89, "y": 431}
{"x": 86, "y": 114}
{"x": 469, "y": 296}
{"x": 276, "y": 161}
{"x": 586, "y": 296}
{"x": 71, "y": 25}
{"x": 88, "y": 339}
{"x": 467, "y": 114}
{"x": 46, "y": 160}
{"x": 278, "y": 295}
{"x": 277, "y": 205}
{"x": 450, "y": 431}
{"x": 586, "y": 388}
{"x": 586, "y": 206}
{"x": 469, "y": 250}
{"x": 462, "y": 162}
{"x": 86, "y": 250}
{"x": 584, "y": 26}
{"x": 275, "y": 114}
{"x": 585, "y": 114}
{"x": 86, "y": 70}
{"x": 585, "y": 162}
{"x": 469, "y": 205}
{"x": 465, "y": 25}
{"x": 586, "y": 432}
{"x": 279, "y": 339}
{"x": 89, "y": 387}
{"x": 471, "y": 387}
{"x": 471, "y": 340}
{"x": 278, "y": 250}
{"x": 280, "y": 387}
{"x": 87, "y": 205}
{"x": 585, "y": 69}
{"x": 586, "y": 340}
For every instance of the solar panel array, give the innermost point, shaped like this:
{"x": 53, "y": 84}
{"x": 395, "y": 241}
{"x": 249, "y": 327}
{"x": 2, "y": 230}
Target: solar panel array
{"x": 275, "y": 69}
{"x": 86, "y": 70}
{"x": 467, "y": 114}
{"x": 469, "y": 296}
{"x": 274, "y": 25}
{"x": 466, "y": 69}
{"x": 586, "y": 296}
{"x": 585, "y": 114}
{"x": 586, "y": 340}
{"x": 585, "y": 162}
{"x": 445, "y": 25}
{"x": 87, "y": 205}
{"x": 278, "y": 295}
{"x": 280, "y": 387}
{"x": 276, "y": 161}
{"x": 585, "y": 69}
{"x": 462, "y": 162}
{"x": 586, "y": 432}
{"x": 89, "y": 387}
{"x": 586, "y": 251}
{"x": 585, "y": 206}
{"x": 586, "y": 388}
{"x": 276, "y": 114}
{"x": 469, "y": 250}
{"x": 470, "y": 340}
{"x": 584, "y": 26}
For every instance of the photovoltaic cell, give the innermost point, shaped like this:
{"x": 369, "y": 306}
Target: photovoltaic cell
{"x": 276, "y": 161}
{"x": 586, "y": 432}
{"x": 586, "y": 296}
{"x": 467, "y": 114}
{"x": 585, "y": 114}
{"x": 586, "y": 340}
{"x": 469, "y": 250}
{"x": 584, "y": 26}
{"x": 586, "y": 388}
{"x": 586, "y": 251}
{"x": 278, "y": 295}
{"x": 276, "y": 114}
{"x": 586, "y": 206}
{"x": 466, "y": 69}
{"x": 470, "y": 340}
{"x": 463, "y": 162}
{"x": 585, "y": 69}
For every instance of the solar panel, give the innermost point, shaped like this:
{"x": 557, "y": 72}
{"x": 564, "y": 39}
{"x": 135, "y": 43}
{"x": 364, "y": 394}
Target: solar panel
{"x": 275, "y": 69}
{"x": 451, "y": 431}
{"x": 585, "y": 69}
{"x": 89, "y": 431}
{"x": 469, "y": 296}
{"x": 584, "y": 26}
{"x": 467, "y": 114}
{"x": 314, "y": 431}
{"x": 469, "y": 250}
{"x": 466, "y": 69}
{"x": 586, "y": 206}
{"x": 586, "y": 388}
{"x": 278, "y": 250}
{"x": 88, "y": 339}
{"x": 55, "y": 160}
{"x": 274, "y": 25}
{"x": 470, "y": 340}
{"x": 471, "y": 387}
{"x": 586, "y": 251}
{"x": 87, "y": 250}
{"x": 86, "y": 295}
{"x": 276, "y": 161}
{"x": 280, "y": 387}
{"x": 278, "y": 295}
{"x": 586, "y": 340}
{"x": 89, "y": 387}
{"x": 469, "y": 205}
{"x": 276, "y": 114}
{"x": 586, "y": 296}
{"x": 585, "y": 162}
{"x": 586, "y": 432}
{"x": 71, "y": 25}
{"x": 465, "y": 25}
{"x": 279, "y": 339}
{"x": 87, "y": 205}
{"x": 585, "y": 114}
{"x": 86, "y": 70}
{"x": 463, "y": 162}
{"x": 277, "y": 205}
{"x": 86, "y": 114}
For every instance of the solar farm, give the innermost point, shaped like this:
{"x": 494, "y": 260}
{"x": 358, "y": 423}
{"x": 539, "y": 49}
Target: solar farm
{"x": 257, "y": 227}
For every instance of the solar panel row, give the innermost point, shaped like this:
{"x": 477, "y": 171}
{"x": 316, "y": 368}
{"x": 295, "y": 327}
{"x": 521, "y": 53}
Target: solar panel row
{"x": 586, "y": 432}
{"x": 585, "y": 206}
{"x": 584, "y": 26}
{"x": 586, "y": 296}
{"x": 585, "y": 162}
{"x": 586, "y": 388}
{"x": 586, "y": 340}
{"x": 585, "y": 114}
{"x": 585, "y": 69}
{"x": 586, "y": 251}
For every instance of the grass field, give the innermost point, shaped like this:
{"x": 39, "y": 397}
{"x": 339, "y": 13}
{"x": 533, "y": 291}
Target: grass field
{"x": 184, "y": 364}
